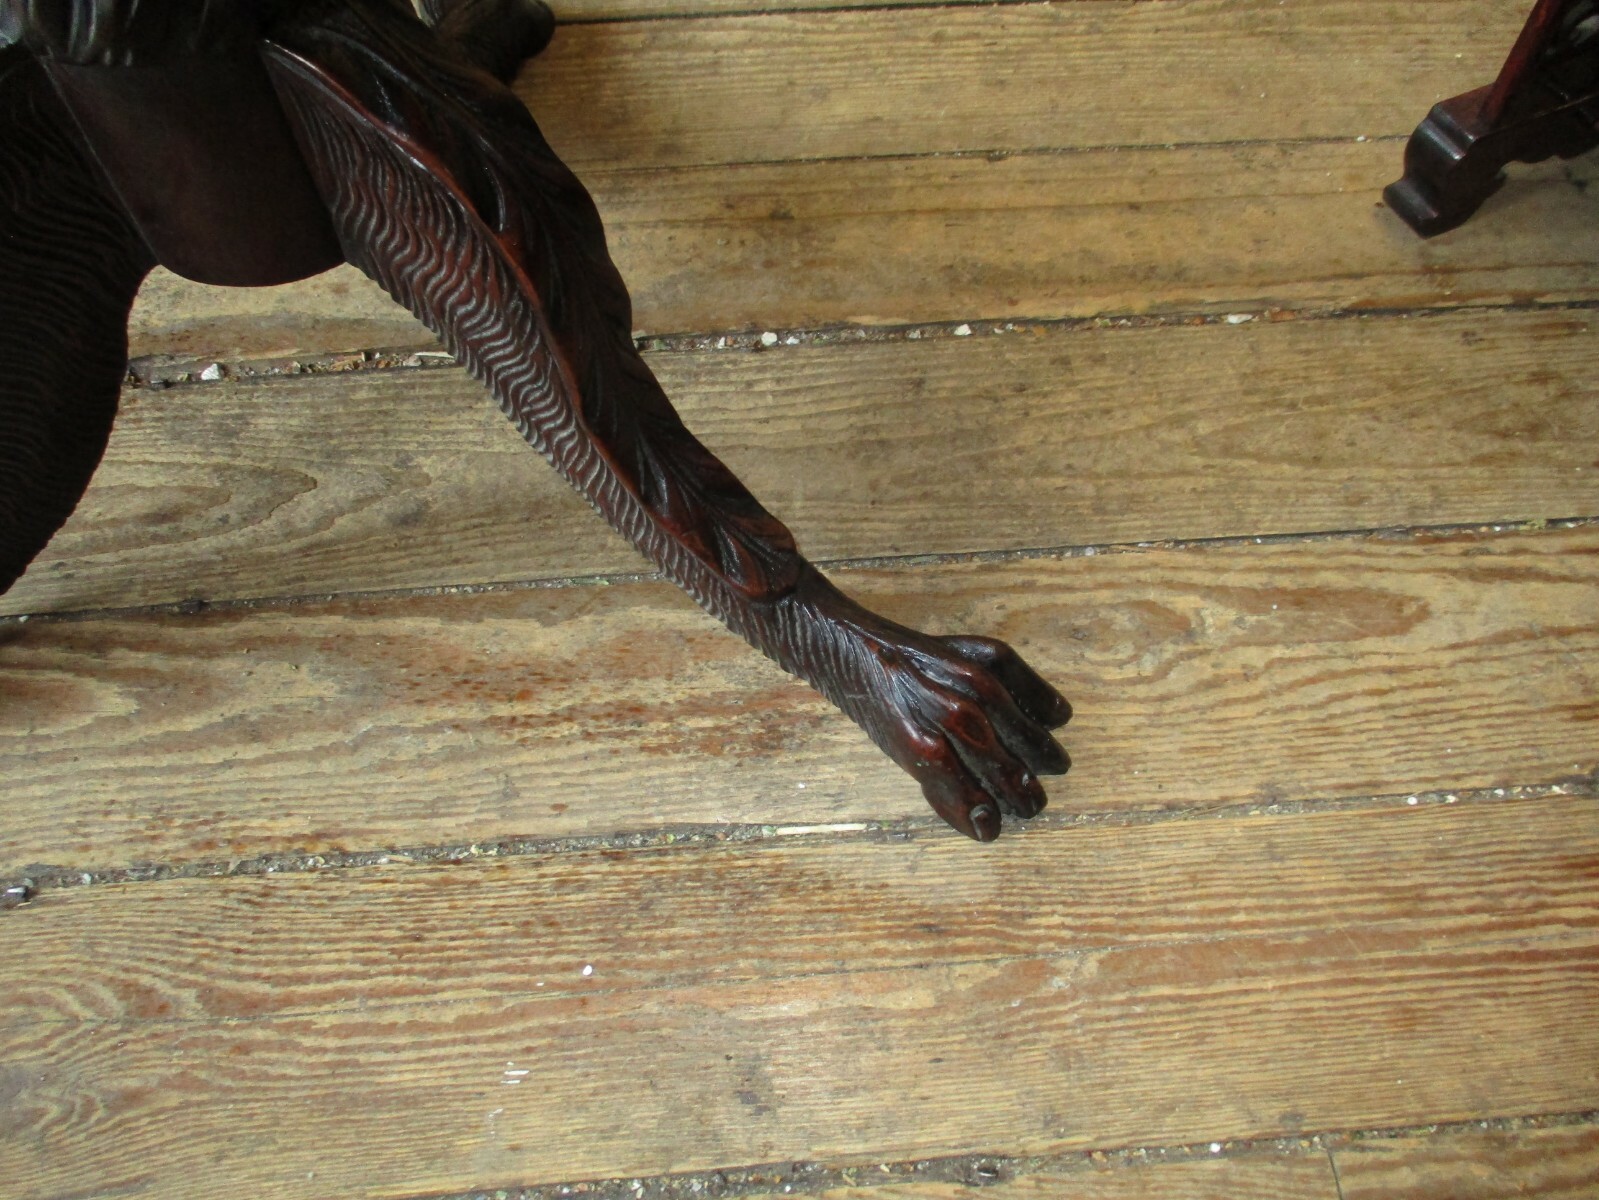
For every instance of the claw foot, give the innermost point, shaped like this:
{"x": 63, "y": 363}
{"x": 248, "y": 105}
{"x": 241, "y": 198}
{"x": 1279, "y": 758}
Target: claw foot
{"x": 965, "y": 716}
{"x": 975, "y": 725}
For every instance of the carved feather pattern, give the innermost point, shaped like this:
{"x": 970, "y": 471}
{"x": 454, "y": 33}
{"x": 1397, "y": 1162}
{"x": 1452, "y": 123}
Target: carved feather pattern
{"x": 441, "y": 187}
{"x": 70, "y": 264}
{"x": 443, "y": 190}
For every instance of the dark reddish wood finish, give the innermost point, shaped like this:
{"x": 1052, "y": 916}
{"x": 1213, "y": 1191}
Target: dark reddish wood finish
{"x": 202, "y": 160}
{"x": 395, "y": 145}
{"x": 1545, "y": 103}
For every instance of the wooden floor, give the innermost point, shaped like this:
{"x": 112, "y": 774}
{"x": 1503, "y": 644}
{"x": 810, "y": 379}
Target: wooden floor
{"x": 392, "y": 834}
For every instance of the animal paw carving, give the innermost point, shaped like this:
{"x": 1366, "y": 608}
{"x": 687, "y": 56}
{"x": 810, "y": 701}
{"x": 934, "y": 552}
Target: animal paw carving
{"x": 971, "y": 723}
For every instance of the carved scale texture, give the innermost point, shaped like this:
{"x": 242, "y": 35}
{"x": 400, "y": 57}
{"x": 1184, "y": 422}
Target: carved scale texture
{"x": 443, "y": 190}
{"x": 70, "y": 264}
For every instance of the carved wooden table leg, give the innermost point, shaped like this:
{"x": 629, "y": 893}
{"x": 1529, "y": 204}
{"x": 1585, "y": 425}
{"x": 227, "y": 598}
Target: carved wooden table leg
{"x": 70, "y": 264}
{"x": 1545, "y": 103}
{"x": 422, "y": 169}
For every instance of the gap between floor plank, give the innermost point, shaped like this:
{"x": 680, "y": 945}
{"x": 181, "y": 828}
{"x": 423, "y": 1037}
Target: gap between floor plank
{"x": 21, "y": 888}
{"x": 192, "y": 608}
{"x": 894, "y": 1178}
{"x": 159, "y": 371}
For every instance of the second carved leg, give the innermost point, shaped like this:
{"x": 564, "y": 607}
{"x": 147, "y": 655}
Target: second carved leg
{"x": 1544, "y": 104}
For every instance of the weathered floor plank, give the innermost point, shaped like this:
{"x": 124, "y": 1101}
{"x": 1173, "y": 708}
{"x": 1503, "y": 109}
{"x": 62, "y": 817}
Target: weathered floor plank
{"x": 888, "y": 81}
{"x": 1560, "y": 1163}
{"x": 1081, "y": 234}
{"x": 803, "y": 245}
{"x": 1145, "y": 1045}
{"x": 1303, "y": 1175}
{"x": 1204, "y": 676}
{"x": 572, "y": 12}
{"x": 1477, "y": 919}
{"x": 406, "y": 479}
{"x": 763, "y": 240}
{"x": 375, "y": 937}
{"x": 1155, "y": 979}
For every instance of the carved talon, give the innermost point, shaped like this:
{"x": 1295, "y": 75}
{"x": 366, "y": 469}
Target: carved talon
{"x": 964, "y": 716}
{"x": 978, "y": 719}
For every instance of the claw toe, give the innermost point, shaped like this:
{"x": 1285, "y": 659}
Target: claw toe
{"x": 985, "y": 823}
{"x": 1025, "y": 799}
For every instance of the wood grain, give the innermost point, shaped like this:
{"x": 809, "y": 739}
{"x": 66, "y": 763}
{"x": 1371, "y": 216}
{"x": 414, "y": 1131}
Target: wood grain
{"x": 383, "y": 937}
{"x": 1233, "y": 1037}
{"x": 399, "y": 479}
{"x": 575, "y": 12}
{"x": 779, "y": 246}
{"x": 1561, "y": 1163}
{"x": 892, "y": 81}
{"x": 1093, "y": 232}
{"x": 1201, "y": 677}
{"x": 1169, "y": 975}
{"x": 1306, "y": 1175}
{"x": 339, "y": 311}
{"x": 763, "y": 240}
{"x": 349, "y": 959}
